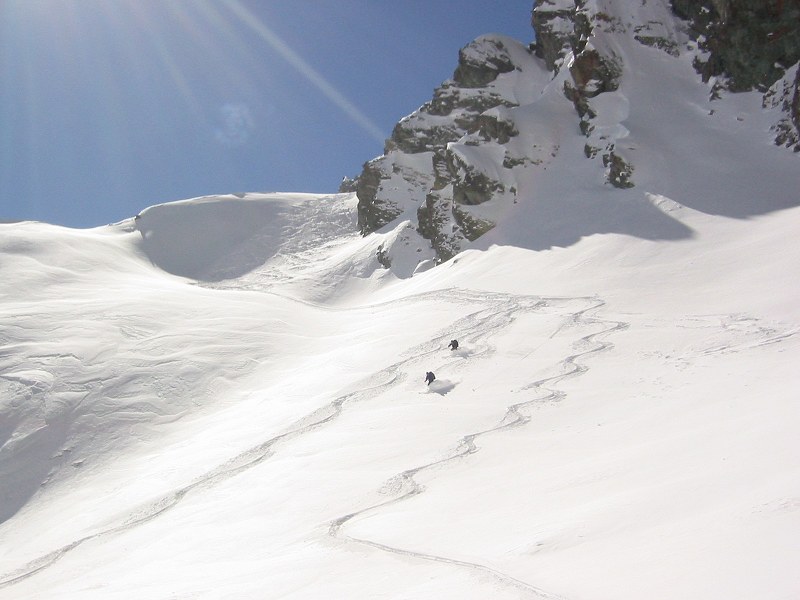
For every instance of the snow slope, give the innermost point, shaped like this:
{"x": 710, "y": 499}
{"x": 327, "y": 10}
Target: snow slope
{"x": 224, "y": 398}
{"x": 619, "y": 420}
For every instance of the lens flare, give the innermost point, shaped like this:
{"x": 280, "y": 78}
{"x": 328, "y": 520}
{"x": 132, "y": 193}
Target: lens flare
{"x": 306, "y": 70}
{"x": 237, "y": 125}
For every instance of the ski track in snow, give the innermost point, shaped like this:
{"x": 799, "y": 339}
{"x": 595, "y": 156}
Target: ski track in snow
{"x": 475, "y": 328}
{"x": 409, "y": 487}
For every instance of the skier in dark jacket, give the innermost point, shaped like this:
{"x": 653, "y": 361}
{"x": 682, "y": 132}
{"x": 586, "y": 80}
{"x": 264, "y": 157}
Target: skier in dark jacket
{"x": 429, "y": 377}
{"x": 453, "y": 345}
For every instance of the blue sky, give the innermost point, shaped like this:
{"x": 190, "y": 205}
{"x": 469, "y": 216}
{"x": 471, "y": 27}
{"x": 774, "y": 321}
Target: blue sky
{"x": 110, "y": 106}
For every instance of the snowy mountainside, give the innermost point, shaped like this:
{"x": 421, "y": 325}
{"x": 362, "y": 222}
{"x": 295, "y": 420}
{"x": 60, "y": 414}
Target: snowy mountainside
{"x": 596, "y": 90}
{"x": 618, "y": 411}
{"x": 224, "y": 397}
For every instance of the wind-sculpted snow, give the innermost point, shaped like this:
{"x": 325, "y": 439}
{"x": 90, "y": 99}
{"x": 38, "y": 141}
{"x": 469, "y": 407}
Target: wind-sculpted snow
{"x": 225, "y": 237}
{"x": 476, "y": 330}
{"x": 358, "y": 467}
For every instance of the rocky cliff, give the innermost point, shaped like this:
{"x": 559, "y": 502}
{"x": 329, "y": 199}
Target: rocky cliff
{"x": 751, "y": 46}
{"x": 451, "y": 166}
{"x": 428, "y": 172}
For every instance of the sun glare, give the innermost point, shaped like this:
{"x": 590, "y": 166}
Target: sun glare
{"x": 110, "y": 92}
{"x": 114, "y": 44}
{"x": 303, "y": 68}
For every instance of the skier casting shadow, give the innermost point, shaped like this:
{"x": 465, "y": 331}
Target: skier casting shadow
{"x": 453, "y": 345}
{"x": 438, "y": 386}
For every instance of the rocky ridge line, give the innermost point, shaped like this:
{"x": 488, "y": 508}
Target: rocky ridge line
{"x": 460, "y": 153}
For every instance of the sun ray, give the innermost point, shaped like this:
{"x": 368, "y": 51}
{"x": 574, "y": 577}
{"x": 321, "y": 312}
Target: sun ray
{"x": 164, "y": 53}
{"x": 306, "y": 70}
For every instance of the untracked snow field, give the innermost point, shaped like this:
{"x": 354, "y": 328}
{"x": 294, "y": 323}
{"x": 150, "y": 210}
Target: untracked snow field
{"x": 244, "y": 414}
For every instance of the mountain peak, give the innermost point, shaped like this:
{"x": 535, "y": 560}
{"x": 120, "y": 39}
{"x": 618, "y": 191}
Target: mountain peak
{"x": 471, "y": 152}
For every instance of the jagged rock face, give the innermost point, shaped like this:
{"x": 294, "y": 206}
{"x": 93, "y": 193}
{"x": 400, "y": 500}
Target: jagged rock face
{"x": 434, "y": 224}
{"x": 785, "y": 95}
{"x": 619, "y": 171}
{"x": 564, "y": 29}
{"x": 436, "y": 181}
{"x": 554, "y": 22}
{"x": 751, "y": 43}
{"x": 373, "y": 213}
{"x": 479, "y": 65}
{"x": 456, "y": 162}
{"x": 593, "y": 73}
{"x": 411, "y": 137}
{"x": 347, "y": 185}
{"x": 494, "y": 127}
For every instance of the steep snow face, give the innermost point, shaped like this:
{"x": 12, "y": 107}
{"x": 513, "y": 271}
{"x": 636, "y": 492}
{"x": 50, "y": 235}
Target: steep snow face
{"x": 225, "y": 397}
{"x": 601, "y": 74}
{"x": 617, "y": 412}
{"x": 249, "y": 231}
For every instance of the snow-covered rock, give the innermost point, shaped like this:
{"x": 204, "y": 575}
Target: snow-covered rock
{"x": 464, "y": 148}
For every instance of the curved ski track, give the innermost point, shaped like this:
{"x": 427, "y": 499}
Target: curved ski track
{"x": 475, "y": 328}
{"x": 409, "y": 487}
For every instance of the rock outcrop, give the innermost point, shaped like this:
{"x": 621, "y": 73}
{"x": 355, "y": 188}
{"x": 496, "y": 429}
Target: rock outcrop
{"x": 751, "y": 46}
{"x": 428, "y": 172}
{"x": 453, "y": 165}
{"x": 785, "y": 96}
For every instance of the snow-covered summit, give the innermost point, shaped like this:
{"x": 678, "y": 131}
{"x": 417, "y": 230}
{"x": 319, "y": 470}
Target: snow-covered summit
{"x": 601, "y": 79}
